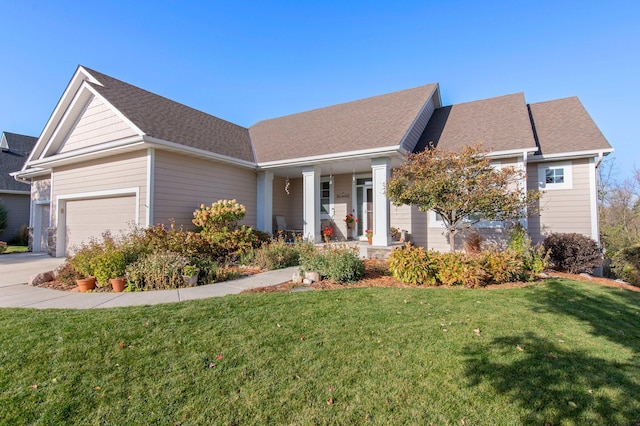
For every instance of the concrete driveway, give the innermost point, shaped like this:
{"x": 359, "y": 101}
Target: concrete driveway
{"x": 16, "y": 268}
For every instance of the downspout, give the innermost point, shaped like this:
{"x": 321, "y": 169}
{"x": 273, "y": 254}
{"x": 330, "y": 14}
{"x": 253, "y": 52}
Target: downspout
{"x": 19, "y": 179}
{"x": 600, "y": 158}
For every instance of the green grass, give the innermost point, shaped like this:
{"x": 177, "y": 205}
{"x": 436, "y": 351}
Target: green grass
{"x": 383, "y": 356}
{"x": 16, "y": 249}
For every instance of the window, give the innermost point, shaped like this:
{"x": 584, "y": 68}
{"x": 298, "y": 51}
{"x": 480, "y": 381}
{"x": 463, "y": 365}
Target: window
{"x": 326, "y": 199}
{"x": 555, "y": 176}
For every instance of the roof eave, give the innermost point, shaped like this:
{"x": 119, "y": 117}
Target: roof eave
{"x": 156, "y": 142}
{"x": 570, "y": 155}
{"x": 325, "y": 158}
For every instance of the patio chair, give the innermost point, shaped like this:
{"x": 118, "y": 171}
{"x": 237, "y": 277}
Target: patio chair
{"x": 281, "y": 226}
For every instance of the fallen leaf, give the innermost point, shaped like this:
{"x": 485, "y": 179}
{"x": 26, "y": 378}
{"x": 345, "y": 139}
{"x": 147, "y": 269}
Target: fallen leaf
{"x": 444, "y": 329}
{"x": 212, "y": 365}
{"x": 146, "y": 324}
{"x": 551, "y": 356}
{"x": 573, "y": 404}
{"x": 558, "y": 334}
{"x": 219, "y": 356}
{"x": 518, "y": 347}
{"x": 463, "y": 421}
{"x": 278, "y": 325}
{"x": 238, "y": 390}
{"x": 332, "y": 389}
{"x": 34, "y": 386}
{"x": 301, "y": 337}
{"x": 54, "y": 380}
{"x": 330, "y": 401}
{"x": 399, "y": 353}
{"x": 477, "y": 331}
{"x": 405, "y": 300}
{"x": 121, "y": 345}
{"x": 590, "y": 391}
{"x": 97, "y": 388}
{"x": 560, "y": 340}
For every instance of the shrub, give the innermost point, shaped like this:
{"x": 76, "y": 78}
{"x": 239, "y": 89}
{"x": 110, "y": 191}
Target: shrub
{"x": 503, "y": 266}
{"x": 336, "y": 263}
{"x": 279, "y": 254}
{"x": 157, "y": 271}
{"x": 110, "y": 264}
{"x": 3, "y": 246}
{"x": 222, "y": 215}
{"x": 456, "y": 268}
{"x": 22, "y": 237}
{"x": 412, "y": 265}
{"x": 626, "y": 265}
{"x": 83, "y": 260}
{"x": 573, "y": 252}
{"x": 66, "y": 274}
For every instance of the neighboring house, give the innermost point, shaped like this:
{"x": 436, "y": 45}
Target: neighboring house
{"x": 113, "y": 155}
{"x": 14, "y": 195}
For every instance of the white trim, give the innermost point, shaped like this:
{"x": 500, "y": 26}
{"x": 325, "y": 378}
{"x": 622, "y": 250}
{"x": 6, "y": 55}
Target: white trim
{"x": 510, "y": 152}
{"x": 4, "y": 145}
{"x": 151, "y": 166}
{"x": 61, "y": 215}
{"x": 566, "y": 166}
{"x": 381, "y": 172}
{"x": 570, "y": 155}
{"x": 593, "y": 195}
{"x": 349, "y": 155}
{"x": 35, "y": 172}
{"x": 77, "y": 154}
{"x": 211, "y": 155}
{"x": 433, "y": 222}
{"x": 332, "y": 206}
{"x": 311, "y": 203}
{"x": 78, "y": 97}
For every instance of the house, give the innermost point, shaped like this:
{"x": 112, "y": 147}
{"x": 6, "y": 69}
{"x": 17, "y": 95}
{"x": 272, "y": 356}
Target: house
{"x": 14, "y": 196}
{"x": 113, "y": 155}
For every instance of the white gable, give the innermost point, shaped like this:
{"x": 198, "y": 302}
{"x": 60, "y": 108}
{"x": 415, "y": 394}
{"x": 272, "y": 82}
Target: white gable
{"x": 97, "y": 124}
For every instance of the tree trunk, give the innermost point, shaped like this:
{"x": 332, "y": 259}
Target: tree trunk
{"x": 452, "y": 239}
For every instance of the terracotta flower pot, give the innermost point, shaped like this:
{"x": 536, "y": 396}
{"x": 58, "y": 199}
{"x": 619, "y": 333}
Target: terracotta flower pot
{"x": 370, "y": 239}
{"x": 118, "y": 284}
{"x": 86, "y": 284}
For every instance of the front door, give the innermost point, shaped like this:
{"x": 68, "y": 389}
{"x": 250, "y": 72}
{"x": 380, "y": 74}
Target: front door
{"x": 364, "y": 206}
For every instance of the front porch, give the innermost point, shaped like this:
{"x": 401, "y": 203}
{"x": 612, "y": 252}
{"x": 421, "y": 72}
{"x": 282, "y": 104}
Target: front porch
{"x": 366, "y": 250}
{"x": 311, "y": 198}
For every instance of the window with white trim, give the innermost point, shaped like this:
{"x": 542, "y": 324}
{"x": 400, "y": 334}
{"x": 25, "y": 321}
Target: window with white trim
{"x": 326, "y": 198}
{"x": 555, "y": 176}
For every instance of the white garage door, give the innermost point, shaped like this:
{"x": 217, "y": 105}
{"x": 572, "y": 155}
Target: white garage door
{"x": 90, "y": 218}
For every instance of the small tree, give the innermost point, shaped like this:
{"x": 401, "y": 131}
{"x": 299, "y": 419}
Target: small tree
{"x": 463, "y": 188}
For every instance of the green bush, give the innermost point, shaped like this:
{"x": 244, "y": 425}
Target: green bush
{"x": 340, "y": 264}
{"x": 157, "y": 271}
{"x": 503, "y": 266}
{"x": 574, "y": 253}
{"x": 412, "y": 265}
{"x": 83, "y": 259}
{"x": 626, "y": 265}
{"x": 278, "y": 254}
{"x": 110, "y": 264}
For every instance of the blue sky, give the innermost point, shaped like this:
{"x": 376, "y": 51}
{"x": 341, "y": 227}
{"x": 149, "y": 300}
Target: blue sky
{"x": 252, "y": 60}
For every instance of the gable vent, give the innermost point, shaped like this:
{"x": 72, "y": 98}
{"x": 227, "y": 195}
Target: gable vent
{"x": 3, "y": 144}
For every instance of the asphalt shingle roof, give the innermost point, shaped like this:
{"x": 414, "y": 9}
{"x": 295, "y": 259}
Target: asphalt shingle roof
{"x": 500, "y": 124}
{"x": 171, "y": 121}
{"x": 12, "y": 161}
{"x": 375, "y": 122}
{"x": 563, "y": 125}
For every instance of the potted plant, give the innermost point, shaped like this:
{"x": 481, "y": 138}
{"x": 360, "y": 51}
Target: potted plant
{"x": 110, "y": 266}
{"x": 82, "y": 263}
{"x": 190, "y": 275}
{"x": 395, "y": 233}
{"x": 327, "y": 233}
{"x": 369, "y": 234}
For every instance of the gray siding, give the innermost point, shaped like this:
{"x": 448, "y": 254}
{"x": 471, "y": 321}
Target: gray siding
{"x": 98, "y": 124}
{"x": 182, "y": 183}
{"x": 17, "y": 206}
{"x": 563, "y": 210}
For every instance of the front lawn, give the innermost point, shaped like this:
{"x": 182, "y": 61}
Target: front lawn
{"x": 558, "y": 352}
{"x": 16, "y": 249}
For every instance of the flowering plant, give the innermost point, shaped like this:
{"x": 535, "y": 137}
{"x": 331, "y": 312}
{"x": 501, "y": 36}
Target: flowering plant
{"x": 327, "y": 232}
{"x": 369, "y": 233}
{"x": 350, "y": 218}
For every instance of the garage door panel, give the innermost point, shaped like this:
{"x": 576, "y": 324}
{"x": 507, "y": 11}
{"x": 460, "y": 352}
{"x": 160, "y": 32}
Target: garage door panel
{"x": 90, "y": 218}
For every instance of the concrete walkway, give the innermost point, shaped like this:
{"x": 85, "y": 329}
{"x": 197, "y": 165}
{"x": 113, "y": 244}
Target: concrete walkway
{"x": 15, "y": 270}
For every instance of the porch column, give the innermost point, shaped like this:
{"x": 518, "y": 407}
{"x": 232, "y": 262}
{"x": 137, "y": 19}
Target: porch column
{"x": 311, "y": 203}
{"x": 381, "y": 170}
{"x": 264, "y": 209}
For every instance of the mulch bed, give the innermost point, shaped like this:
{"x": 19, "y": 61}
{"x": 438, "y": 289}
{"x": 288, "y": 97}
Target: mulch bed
{"x": 377, "y": 275}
